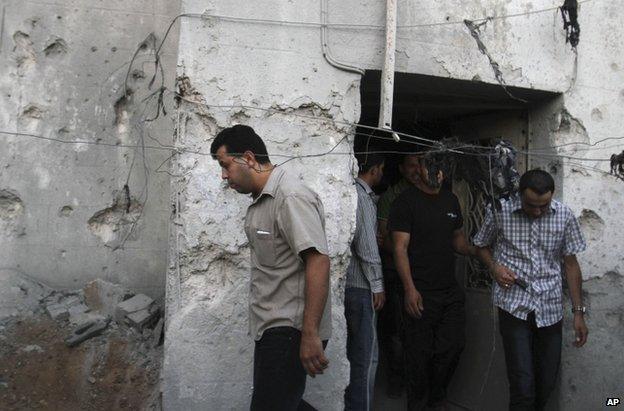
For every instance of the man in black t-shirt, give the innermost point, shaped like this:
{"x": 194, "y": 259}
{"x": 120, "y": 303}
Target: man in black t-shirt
{"x": 426, "y": 225}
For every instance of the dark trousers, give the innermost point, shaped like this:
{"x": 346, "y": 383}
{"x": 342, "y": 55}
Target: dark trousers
{"x": 279, "y": 377}
{"x": 389, "y": 327}
{"x": 433, "y": 344}
{"x": 361, "y": 348}
{"x": 532, "y": 356}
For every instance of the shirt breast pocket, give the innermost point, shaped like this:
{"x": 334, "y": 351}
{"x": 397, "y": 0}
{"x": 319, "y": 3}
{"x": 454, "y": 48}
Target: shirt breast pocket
{"x": 264, "y": 247}
{"x": 551, "y": 239}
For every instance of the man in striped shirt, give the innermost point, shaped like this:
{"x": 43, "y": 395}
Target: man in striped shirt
{"x": 364, "y": 293}
{"x": 525, "y": 245}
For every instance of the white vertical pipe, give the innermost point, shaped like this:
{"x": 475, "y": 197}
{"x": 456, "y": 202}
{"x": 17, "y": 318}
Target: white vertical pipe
{"x": 387, "y": 73}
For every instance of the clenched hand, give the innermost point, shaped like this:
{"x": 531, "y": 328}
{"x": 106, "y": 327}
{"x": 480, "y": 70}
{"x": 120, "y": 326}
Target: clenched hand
{"x": 312, "y": 355}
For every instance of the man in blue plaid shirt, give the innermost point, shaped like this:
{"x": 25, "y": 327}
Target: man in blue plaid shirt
{"x": 526, "y": 245}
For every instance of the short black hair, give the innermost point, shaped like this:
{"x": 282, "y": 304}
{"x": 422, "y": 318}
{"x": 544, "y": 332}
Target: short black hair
{"x": 539, "y": 181}
{"x": 368, "y": 161}
{"x": 404, "y": 157}
{"x": 238, "y": 139}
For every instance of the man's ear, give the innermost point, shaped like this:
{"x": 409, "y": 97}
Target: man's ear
{"x": 250, "y": 158}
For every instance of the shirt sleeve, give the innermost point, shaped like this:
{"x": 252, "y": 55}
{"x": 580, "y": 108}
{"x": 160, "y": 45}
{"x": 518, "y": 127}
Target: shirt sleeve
{"x": 400, "y": 218}
{"x": 573, "y": 239}
{"x": 300, "y": 221}
{"x": 487, "y": 233}
{"x": 365, "y": 244}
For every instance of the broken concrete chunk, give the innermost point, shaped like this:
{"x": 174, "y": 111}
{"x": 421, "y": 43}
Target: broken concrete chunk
{"x": 137, "y": 303}
{"x": 139, "y": 319}
{"x": 71, "y": 301}
{"x": 103, "y": 296}
{"x": 57, "y": 312}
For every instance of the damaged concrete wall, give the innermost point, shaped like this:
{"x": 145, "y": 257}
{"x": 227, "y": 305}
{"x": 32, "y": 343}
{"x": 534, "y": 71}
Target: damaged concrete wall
{"x": 208, "y": 352}
{"x": 72, "y": 212}
{"x": 281, "y": 67}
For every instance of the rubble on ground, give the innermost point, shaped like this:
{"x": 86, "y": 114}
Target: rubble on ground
{"x": 96, "y": 348}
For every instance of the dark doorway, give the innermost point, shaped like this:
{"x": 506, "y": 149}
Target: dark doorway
{"x": 474, "y": 113}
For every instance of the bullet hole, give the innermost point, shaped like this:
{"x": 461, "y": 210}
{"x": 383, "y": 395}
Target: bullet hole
{"x": 115, "y": 223}
{"x": 55, "y": 47}
{"x": 24, "y": 51}
{"x": 32, "y": 111}
{"x": 66, "y": 211}
{"x": 596, "y": 115}
{"x": 138, "y": 74}
{"x": 592, "y": 224}
{"x": 113, "y": 49}
{"x": 11, "y": 206}
{"x": 93, "y": 49}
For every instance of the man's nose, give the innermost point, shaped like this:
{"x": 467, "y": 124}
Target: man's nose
{"x": 224, "y": 174}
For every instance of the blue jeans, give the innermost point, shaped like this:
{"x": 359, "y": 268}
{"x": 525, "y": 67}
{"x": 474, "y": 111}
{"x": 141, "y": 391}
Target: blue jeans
{"x": 279, "y": 377}
{"x": 361, "y": 348}
{"x": 532, "y": 356}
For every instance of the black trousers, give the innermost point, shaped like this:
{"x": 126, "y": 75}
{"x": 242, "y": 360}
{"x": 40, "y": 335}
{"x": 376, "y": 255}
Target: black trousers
{"x": 532, "y": 357}
{"x": 433, "y": 344}
{"x": 389, "y": 327}
{"x": 279, "y": 377}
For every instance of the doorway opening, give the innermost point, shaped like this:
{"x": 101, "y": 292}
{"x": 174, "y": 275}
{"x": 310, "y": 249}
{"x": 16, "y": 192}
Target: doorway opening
{"x": 470, "y": 113}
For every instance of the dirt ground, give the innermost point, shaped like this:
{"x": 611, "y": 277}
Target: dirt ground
{"x": 118, "y": 370}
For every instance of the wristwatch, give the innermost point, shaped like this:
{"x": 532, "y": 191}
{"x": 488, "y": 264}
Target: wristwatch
{"x": 579, "y": 308}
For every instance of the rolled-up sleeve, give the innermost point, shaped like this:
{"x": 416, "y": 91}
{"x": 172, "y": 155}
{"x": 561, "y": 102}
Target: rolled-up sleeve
{"x": 486, "y": 235}
{"x": 301, "y": 223}
{"x": 365, "y": 244}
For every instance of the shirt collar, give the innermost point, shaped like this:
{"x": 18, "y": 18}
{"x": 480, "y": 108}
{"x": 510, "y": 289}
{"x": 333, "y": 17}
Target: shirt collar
{"x": 365, "y": 186}
{"x": 271, "y": 185}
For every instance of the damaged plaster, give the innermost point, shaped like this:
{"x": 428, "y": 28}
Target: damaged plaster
{"x": 11, "y": 214}
{"x": 113, "y": 225}
{"x": 63, "y": 69}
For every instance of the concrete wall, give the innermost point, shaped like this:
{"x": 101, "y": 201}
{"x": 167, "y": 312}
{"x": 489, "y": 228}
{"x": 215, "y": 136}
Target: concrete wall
{"x": 208, "y": 354}
{"x": 64, "y": 213}
{"x": 208, "y": 359}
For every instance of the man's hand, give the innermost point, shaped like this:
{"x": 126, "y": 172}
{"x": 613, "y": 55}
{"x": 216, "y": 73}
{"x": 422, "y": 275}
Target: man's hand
{"x": 414, "y": 303}
{"x": 503, "y": 275}
{"x": 312, "y": 355}
{"x": 379, "y": 299}
{"x": 580, "y": 330}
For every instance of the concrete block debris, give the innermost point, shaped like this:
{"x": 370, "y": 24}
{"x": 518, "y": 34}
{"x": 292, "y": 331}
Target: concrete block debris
{"x": 138, "y": 311}
{"x": 103, "y": 296}
{"x": 58, "y": 311}
{"x": 86, "y": 331}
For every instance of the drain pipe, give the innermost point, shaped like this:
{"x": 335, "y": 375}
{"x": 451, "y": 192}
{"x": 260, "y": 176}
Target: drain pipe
{"x": 387, "y": 74}
{"x": 325, "y": 47}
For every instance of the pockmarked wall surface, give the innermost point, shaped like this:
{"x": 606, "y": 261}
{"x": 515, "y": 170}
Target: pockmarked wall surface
{"x": 273, "y": 80}
{"x": 268, "y": 75}
{"x": 81, "y": 197}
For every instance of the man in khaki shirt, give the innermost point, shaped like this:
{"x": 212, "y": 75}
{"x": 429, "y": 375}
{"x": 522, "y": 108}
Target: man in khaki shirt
{"x": 290, "y": 316}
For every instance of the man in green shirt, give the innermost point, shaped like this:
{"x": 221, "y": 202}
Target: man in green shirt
{"x": 388, "y": 330}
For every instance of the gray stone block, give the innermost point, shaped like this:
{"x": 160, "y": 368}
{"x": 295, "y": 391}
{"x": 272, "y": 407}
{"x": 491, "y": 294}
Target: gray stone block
{"x": 137, "y": 303}
{"x": 57, "y": 311}
{"x": 139, "y": 319}
{"x": 104, "y": 297}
